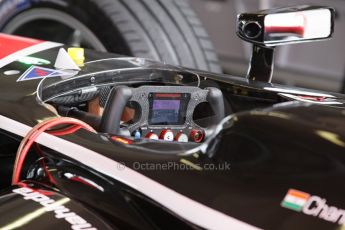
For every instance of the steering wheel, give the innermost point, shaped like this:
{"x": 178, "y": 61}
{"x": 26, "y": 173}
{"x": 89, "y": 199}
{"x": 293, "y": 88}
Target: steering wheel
{"x": 188, "y": 99}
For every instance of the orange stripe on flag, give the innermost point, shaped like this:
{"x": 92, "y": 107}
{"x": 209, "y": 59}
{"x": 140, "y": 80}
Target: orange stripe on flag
{"x": 299, "y": 194}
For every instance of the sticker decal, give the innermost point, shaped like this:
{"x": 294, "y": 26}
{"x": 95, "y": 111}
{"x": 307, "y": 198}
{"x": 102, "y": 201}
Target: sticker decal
{"x": 57, "y": 207}
{"x": 313, "y": 206}
{"x": 295, "y": 200}
{"x": 35, "y": 72}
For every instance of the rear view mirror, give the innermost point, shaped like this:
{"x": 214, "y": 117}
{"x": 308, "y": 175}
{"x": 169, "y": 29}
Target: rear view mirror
{"x": 286, "y": 25}
{"x": 270, "y": 28}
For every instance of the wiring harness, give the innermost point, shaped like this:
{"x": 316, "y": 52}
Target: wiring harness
{"x": 36, "y": 131}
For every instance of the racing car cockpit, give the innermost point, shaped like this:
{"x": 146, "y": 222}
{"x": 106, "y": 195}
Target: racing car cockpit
{"x": 145, "y": 100}
{"x": 138, "y": 99}
{"x": 138, "y": 142}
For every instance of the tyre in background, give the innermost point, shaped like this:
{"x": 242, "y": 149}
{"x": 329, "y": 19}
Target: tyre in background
{"x": 165, "y": 30}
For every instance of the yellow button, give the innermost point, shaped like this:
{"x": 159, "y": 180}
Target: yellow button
{"x": 77, "y": 54}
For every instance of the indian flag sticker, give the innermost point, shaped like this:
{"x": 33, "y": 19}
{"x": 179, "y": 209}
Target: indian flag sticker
{"x": 295, "y": 200}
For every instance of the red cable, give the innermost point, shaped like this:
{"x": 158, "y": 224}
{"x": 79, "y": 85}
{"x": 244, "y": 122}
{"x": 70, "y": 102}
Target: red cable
{"x": 66, "y": 131}
{"x": 34, "y": 133}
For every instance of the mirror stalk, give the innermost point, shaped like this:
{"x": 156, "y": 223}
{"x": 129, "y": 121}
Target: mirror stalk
{"x": 261, "y": 64}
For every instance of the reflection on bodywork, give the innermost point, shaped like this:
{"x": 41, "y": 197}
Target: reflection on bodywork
{"x": 33, "y": 61}
{"x": 271, "y": 114}
{"x": 331, "y": 137}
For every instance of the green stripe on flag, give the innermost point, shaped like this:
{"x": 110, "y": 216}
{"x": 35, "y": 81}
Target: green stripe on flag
{"x": 292, "y": 206}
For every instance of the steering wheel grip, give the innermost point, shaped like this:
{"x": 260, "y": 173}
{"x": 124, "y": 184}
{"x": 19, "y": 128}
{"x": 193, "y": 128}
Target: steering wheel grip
{"x": 116, "y": 103}
{"x": 215, "y": 98}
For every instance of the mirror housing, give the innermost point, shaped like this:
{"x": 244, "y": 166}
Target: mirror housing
{"x": 286, "y": 25}
{"x": 267, "y": 29}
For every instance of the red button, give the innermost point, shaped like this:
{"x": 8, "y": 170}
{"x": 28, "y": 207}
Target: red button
{"x": 152, "y": 136}
{"x": 167, "y": 135}
{"x": 197, "y": 135}
{"x": 181, "y": 137}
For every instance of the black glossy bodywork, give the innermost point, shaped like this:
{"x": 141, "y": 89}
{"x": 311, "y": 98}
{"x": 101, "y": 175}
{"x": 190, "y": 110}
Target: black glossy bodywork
{"x": 270, "y": 143}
